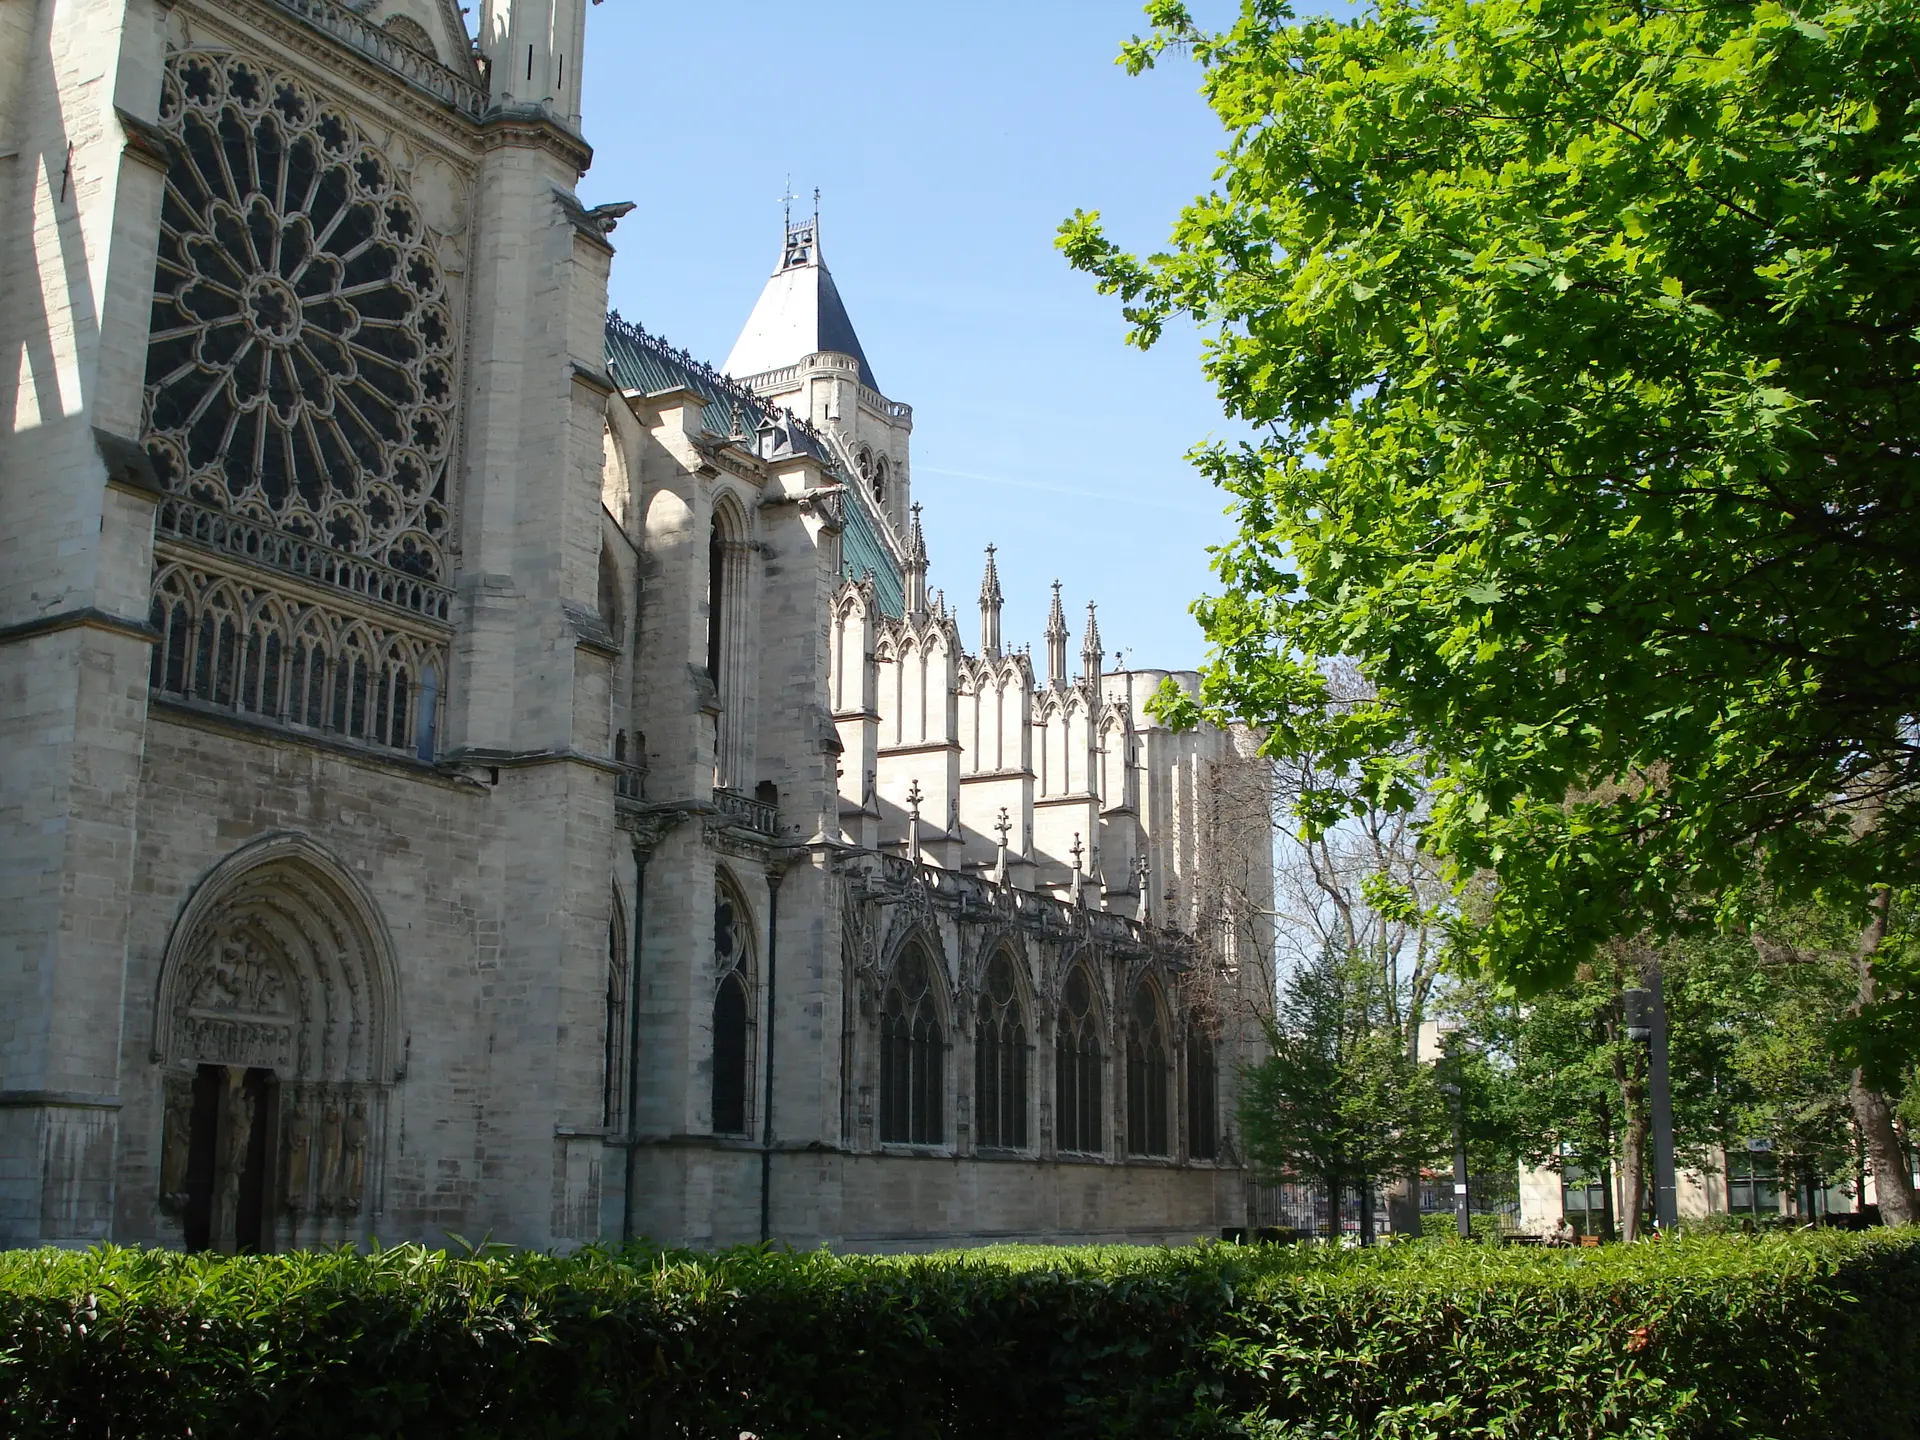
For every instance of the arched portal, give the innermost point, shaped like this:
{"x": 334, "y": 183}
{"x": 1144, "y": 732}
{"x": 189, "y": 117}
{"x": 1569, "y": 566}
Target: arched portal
{"x": 277, "y": 1031}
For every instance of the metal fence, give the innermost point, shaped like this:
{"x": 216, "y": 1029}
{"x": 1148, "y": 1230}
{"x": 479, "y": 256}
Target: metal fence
{"x": 1290, "y": 1205}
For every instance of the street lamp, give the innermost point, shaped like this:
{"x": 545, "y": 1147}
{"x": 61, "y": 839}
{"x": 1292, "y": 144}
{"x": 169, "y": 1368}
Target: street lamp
{"x": 1645, "y": 1012}
{"x": 1449, "y": 1030}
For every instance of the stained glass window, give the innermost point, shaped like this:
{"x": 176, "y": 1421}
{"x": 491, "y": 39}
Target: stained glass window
{"x": 300, "y": 365}
{"x": 731, "y": 1020}
{"x": 1000, "y": 1062}
{"x": 1076, "y": 1069}
{"x": 912, "y": 1056}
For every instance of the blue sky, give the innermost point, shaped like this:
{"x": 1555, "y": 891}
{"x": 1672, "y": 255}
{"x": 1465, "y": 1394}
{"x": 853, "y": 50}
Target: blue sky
{"x": 948, "y": 142}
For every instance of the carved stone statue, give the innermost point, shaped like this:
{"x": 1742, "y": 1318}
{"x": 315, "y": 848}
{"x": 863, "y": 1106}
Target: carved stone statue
{"x": 241, "y": 977}
{"x": 297, "y": 1167}
{"x": 329, "y": 1167}
{"x": 233, "y": 1162}
{"x": 353, "y": 1157}
{"x": 176, "y": 1143}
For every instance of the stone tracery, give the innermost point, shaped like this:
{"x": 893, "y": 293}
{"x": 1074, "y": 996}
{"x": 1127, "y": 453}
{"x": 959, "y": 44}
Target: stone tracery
{"x": 300, "y": 369}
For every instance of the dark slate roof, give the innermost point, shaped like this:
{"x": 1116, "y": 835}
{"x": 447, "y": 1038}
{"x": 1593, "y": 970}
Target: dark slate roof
{"x": 836, "y": 327}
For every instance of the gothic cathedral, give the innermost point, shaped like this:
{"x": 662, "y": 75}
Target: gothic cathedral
{"x": 467, "y": 767}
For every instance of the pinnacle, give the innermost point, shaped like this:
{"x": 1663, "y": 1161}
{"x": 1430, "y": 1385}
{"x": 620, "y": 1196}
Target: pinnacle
{"x": 1057, "y": 617}
{"x": 990, "y": 582}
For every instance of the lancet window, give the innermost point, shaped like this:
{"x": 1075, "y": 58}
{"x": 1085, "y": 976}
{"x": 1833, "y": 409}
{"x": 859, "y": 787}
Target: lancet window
{"x": 614, "y": 1046}
{"x": 1076, "y": 1069}
{"x": 732, "y": 1011}
{"x": 729, "y": 544}
{"x": 912, "y": 1056}
{"x": 1203, "y": 1101}
{"x": 1000, "y": 1061}
{"x": 1147, "y": 1076}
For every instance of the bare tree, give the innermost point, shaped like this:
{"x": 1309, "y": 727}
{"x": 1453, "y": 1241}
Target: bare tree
{"x": 1364, "y": 887}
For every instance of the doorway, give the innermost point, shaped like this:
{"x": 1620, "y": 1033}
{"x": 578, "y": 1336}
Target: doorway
{"x": 229, "y": 1150}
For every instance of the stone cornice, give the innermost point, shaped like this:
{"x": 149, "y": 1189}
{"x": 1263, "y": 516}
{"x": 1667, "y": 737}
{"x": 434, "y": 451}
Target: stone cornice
{"x": 332, "y": 67}
{"x": 534, "y": 128}
{"x": 85, "y": 617}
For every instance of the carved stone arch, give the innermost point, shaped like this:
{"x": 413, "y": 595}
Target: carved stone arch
{"x": 730, "y": 516}
{"x": 728, "y": 885}
{"x": 610, "y": 597}
{"x": 280, "y": 956}
{"x": 411, "y": 33}
{"x": 851, "y": 602}
{"x": 278, "y": 1027}
{"x": 923, "y": 935}
{"x": 616, "y": 470}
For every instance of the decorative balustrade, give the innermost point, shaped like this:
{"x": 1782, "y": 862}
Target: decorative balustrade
{"x": 370, "y": 40}
{"x": 278, "y": 550}
{"x": 972, "y": 890}
{"x": 880, "y": 405}
{"x": 744, "y": 810}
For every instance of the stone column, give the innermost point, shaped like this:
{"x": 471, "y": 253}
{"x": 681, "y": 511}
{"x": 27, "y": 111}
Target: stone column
{"x": 80, "y": 185}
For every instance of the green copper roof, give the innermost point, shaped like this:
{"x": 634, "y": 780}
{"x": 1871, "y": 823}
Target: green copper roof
{"x": 644, "y": 362}
{"x": 863, "y": 552}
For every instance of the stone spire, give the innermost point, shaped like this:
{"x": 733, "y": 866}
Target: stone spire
{"x": 915, "y": 568}
{"x": 1057, "y": 643}
{"x": 990, "y": 598}
{"x": 1090, "y": 650}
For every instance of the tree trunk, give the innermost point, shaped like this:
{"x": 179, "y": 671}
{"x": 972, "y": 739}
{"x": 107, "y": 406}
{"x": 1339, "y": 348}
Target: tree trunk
{"x": 1633, "y": 1176}
{"x": 1633, "y": 1143}
{"x": 1403, "y": 1208}
{"x": 1892, "y": 1179}
{"x": 1366, "y": 1210}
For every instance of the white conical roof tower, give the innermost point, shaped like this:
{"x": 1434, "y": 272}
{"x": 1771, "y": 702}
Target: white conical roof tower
{"x": 799, "y": 312}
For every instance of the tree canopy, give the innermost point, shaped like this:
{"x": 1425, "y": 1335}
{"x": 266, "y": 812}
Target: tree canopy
{"x": 1583, "y": 336}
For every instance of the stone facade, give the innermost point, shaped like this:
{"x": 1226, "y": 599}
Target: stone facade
{"x": 469, "y": 768}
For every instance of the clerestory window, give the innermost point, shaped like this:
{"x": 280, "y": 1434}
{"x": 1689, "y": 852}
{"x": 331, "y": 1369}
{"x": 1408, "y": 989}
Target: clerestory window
{"x": 1000, "y": 1062}
{"x": 1147, "y": 1076}
{"x": 912, "y": 1057}
{"x": 732, "y": 1012}
{"x": 1076, "y": 1069}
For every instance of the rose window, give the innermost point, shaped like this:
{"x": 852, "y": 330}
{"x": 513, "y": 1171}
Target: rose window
{"x": 299, "y": 372}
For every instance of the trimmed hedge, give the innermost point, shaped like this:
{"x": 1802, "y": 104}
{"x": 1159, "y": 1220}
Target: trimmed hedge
{"x": 1800, "y": 1336}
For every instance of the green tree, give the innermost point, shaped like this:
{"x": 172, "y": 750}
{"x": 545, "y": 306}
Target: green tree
{"x": 1573, "y": 1086}
{"x": 1584, "y": 339}
{"x": 1339, "y": 1101}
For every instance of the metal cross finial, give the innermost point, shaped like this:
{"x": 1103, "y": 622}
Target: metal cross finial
{"x": 914, "y": 797}
{"x": 787, "y": 197}
{"x": 1004, "y": 825}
